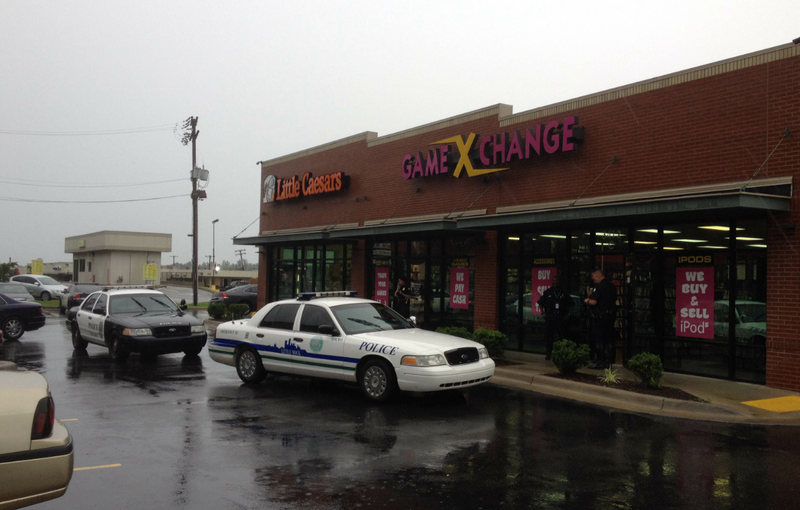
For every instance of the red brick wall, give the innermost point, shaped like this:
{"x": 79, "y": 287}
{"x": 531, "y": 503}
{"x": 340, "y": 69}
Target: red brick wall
{"x": 715, "y": 129}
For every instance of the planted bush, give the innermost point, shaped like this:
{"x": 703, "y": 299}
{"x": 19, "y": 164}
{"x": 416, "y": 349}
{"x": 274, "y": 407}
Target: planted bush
{"x": 494, "y": 341}
{"x": 238, "y": 310}
{"x": 456, "y": 331}
{"x": 647, "y": 367}
{"x": 568, "y": 356}
{"x": 217, "y": 311}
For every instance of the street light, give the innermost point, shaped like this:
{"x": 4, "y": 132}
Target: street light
{"x": 214, "y": 248}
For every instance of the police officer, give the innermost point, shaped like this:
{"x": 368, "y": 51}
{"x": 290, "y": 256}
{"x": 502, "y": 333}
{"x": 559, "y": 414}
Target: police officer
{"x": 603, "y": 310}
{"x": 555, "y": 305}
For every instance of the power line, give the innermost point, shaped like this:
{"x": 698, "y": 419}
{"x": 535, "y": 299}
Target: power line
{"x": 150, "y": 129}
{"x": 65, "y": 185}
{"x": 12, "y": 199}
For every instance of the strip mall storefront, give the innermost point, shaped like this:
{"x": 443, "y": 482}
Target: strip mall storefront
{"x": 679, "y": 188}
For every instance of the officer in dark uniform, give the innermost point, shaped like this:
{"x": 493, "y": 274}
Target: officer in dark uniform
{"x": 402, "y": 298}
{"x": 555, "y": 305}
{"x": 603, "y": 311}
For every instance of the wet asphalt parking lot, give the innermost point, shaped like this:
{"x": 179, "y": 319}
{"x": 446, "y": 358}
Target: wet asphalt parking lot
{"x": 179, "y": 432}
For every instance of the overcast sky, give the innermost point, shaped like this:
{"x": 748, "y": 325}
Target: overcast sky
{"x": 270, "y": 78}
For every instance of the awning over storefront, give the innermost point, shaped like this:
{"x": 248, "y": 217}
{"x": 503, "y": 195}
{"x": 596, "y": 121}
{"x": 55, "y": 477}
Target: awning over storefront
{"x": 773, "y": 194}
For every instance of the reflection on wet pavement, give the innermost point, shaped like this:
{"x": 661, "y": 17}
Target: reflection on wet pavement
{"x": 188, "y": 433}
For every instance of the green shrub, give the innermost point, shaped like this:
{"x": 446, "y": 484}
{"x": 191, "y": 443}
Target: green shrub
{"x": 217, "y": 311}
{"x": 459, "y": 332}
{"x": 238, "y": 310}
{"x": 569, "y": 356}
{"x": 494, "y": 341}
{"x": 648, "y": 368}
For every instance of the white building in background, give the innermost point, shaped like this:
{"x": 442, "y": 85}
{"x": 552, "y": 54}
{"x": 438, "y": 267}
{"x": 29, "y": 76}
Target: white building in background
{"x": 113, "y": 257}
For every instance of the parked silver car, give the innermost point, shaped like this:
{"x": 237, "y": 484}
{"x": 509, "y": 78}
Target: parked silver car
{"x": 16, "y": 291}
{"x": 41, "y": 287}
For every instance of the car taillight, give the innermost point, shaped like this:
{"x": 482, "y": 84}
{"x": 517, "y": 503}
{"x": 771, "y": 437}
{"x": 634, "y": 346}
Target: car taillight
{"x": 77, "y": 296}
{"x": 223, "y": 295}
{"x": 41, "y": 311}
{"x": 43, "y": 419}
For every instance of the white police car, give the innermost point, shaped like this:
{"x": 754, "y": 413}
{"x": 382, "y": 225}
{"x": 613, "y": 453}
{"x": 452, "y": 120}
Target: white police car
{"x": 334, "y": 336}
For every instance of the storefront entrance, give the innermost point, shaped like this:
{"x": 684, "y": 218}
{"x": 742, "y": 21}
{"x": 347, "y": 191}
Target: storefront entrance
{"x": 695, "y": 294}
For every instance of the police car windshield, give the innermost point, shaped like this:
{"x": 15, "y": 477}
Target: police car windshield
{"x": 142, "y": 303}
{"x": 368, "y": 318}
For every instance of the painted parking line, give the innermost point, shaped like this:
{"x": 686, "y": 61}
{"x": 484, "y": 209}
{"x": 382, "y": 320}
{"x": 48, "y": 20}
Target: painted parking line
{"x": 777, "y": 405}
{"x": 97, "y": 467}
{"x": 68, "y": 419}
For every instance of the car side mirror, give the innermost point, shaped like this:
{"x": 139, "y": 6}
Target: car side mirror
{"x": 413, "y": 320}
{"x": 327, "y": 329}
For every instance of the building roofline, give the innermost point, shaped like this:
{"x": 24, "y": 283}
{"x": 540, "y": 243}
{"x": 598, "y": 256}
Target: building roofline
{"x": 116, "y": 232}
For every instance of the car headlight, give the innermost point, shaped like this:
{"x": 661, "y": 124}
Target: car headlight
{"x": 424, "y": 361}
{"x": 483, "y": 353}
{"x": 137, "y": 332}
{"x": 198, "y": 329}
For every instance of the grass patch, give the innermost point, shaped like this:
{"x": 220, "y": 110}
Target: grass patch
{"x": 199, "y": 306}
{"x": 53, "y": 303}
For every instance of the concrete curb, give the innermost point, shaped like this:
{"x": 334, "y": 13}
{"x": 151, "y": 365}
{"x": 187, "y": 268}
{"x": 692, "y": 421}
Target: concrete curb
{"x": 629, "y": 401}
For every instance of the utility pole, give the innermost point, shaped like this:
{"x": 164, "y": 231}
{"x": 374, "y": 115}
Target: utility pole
{"x": 241, "y": 257}
{"x": 192, "y": 137}
{"x": 209, "y": 260}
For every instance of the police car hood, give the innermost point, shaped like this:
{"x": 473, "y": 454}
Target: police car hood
{"x": 155, "y": 320}
{"x": 417, "y": 339}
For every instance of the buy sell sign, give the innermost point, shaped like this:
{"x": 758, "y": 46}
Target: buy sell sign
{"x": 459, "y": 287}
{"x": 694, "y": 302}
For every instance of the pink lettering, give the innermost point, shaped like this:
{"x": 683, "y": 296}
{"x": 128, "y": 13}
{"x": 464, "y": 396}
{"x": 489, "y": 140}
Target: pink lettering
{"x": 533, "y": 140}
{"x": 408, "y": 161}
{"x": 514, "y": 147}
{"x": 486, "y": 140}
{"x": 432, "y": 164}
{"x": 417, "y": 167}
{"x": 566, "y": 145}
{"x": 499, "y": 148}
{"x": 443, "y": 150}
{"x": 551, "y": 142}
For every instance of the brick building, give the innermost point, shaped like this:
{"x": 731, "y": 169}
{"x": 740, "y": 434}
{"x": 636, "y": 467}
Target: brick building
{"x": 679, "y": 187}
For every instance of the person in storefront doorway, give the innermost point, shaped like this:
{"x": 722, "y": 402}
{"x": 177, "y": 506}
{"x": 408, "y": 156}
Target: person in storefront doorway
{"x": 555, "y": 305}
{"x": 402, "y": 299}
{"x": 602, "y": 309}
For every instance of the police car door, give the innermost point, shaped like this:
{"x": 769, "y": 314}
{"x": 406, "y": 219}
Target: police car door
{"x": 319, "y": 353}
{"x": 99, "y": 313}
{"x": 274, "y": 338}
{"x": 85, "y": 318}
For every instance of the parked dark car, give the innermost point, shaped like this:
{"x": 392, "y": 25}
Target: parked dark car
{"x": 244, "y": 294}
{"x": 17, "y": 318}
{"x": 75, "y": 295}
{"x": 234, "y": 284}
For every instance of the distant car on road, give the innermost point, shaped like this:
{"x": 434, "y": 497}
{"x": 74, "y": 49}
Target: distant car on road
{"x": 235, "y": 283}
{"x": 41, "y": 287}
{"x": 16, "y": 291}
{"x": 243, "y": 294}
{"x": 142, "y": 320}
{"x": 36, "y": 454}
{"x": 17, "y": 317}
{"x": 75, "y": 295}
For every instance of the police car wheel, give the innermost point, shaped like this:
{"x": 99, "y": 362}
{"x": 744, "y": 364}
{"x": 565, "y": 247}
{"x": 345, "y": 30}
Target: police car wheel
{"x": 249, "y": 367}
{"x": 77, "y": 340}
{"x": 377, "y": 381}
{"x": 116, "y": 351}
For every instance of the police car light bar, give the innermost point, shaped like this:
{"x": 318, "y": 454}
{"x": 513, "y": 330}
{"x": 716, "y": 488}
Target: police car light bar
{"x": 305, "y": 296}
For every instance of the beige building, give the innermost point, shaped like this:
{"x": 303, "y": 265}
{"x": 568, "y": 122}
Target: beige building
{"x": 114, "y": 257}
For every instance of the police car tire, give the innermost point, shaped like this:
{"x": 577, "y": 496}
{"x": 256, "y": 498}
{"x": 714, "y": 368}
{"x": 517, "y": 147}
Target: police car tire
{"x": 116, "y": 351}
{"x": 377, "y": 380}
{"x": 77, "y": 340}
{"x": 249, "y": 367}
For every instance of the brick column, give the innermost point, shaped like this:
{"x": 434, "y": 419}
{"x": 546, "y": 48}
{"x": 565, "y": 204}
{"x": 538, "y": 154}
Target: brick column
{"x": 486, "y": 279}
{"x": 264, "y": 263}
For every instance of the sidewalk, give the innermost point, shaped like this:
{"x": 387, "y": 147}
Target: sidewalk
{"x": 724, "y": 397}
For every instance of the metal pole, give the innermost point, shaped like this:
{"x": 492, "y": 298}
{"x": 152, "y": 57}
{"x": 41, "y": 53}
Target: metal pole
{"x": 214, "y": 248}
{"x": 194, "y": 211}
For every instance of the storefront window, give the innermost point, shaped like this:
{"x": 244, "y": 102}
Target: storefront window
{"x": 309, "y": 268}
{"x": 697, "y": 289}
{"x": 750, "y": 320}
